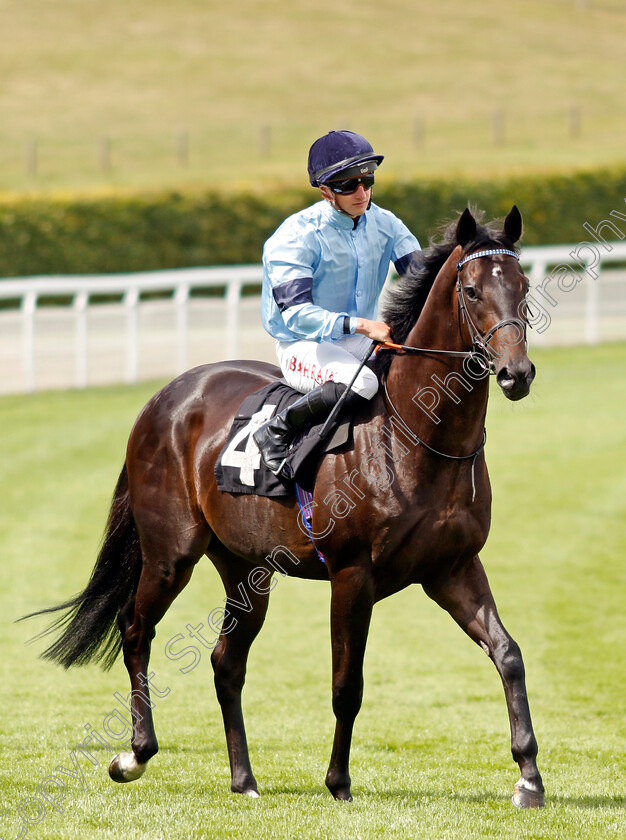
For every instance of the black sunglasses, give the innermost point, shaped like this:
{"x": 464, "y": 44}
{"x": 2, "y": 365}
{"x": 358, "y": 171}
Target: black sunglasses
{"x": 351, "y": 185}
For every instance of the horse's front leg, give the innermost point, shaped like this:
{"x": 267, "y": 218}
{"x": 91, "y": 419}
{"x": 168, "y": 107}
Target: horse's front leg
{"x": 467, "y": 597}
{"x": 351, "y": 609}
{"x": 230, "y": 657}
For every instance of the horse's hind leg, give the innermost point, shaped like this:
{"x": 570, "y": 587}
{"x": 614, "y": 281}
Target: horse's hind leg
{"x": 165, "y": 572}
{"x": 246, "y": 606}
{"x": 468, "y": 599}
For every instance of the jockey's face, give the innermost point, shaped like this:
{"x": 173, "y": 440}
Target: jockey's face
{"x": 353, "y": 205}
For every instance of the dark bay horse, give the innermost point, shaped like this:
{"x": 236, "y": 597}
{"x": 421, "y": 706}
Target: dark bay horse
{"x": 408, "y": 502}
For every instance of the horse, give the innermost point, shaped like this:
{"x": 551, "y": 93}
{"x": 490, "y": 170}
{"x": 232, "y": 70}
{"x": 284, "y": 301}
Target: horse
{"x": 413, "y": 480}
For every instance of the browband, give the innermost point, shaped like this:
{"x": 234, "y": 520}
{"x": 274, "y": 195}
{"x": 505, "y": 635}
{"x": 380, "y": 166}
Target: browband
{"x": 490, "y": 253}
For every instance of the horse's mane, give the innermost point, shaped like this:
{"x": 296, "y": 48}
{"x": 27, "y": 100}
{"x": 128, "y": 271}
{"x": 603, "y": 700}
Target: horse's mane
{"x": 406, "y": 299}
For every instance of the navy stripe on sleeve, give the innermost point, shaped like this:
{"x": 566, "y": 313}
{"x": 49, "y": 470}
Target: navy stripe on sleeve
{"x": 293, "y": 292}
{"x": 405, "y": 264}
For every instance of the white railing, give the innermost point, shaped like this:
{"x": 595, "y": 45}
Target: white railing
{"x": 180, "y": 282}
{"x": 28, "y": 292}
{"x": 550, "y": 289}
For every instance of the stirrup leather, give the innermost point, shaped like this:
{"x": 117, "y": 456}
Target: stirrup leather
{"x": 276, "y": 437}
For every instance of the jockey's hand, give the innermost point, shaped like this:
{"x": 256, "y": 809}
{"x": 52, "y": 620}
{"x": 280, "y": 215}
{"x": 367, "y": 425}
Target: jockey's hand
{"x": 376, "y": 330}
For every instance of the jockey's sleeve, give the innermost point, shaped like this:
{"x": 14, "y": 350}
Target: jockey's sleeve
{"x": 408, "y": 265}
{"x": 303, "y": 318}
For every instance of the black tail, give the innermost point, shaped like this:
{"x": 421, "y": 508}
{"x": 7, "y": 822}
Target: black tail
{"x": 89, "y": 625}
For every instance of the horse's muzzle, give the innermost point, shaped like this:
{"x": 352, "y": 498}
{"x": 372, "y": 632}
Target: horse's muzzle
{"x": 516, "y": 379}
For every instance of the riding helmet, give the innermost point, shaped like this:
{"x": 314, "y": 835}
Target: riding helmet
{"x": 340, "y": 152}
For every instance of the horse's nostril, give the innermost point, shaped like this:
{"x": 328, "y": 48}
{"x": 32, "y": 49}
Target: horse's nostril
{"x": 504, "y": 379}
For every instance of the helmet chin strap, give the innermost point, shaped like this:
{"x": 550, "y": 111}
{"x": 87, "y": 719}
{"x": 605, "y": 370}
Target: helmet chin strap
{"x": 333, "y": 202}
{"x": 340, "y": 210}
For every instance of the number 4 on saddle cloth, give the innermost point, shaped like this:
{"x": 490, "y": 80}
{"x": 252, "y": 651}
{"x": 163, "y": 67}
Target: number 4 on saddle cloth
{"x": 239, "y": 468}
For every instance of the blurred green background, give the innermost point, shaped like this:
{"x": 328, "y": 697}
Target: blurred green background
{"x": 231, "y": 95}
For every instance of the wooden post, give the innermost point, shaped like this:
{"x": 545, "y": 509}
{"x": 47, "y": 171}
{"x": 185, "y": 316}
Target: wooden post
{"x": 182, "y": 148}
{"x": 418, "y": 132}
{"x": 497, "y": 123}
{"x": 105, "y": 154}
{"x": 574, "y": 120}
{"x": 32, "y": 158}
{"x": 265, "y": 141}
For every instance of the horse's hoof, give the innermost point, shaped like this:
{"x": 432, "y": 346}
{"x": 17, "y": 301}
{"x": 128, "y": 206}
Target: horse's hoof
{"x": 341, "y": 794}
{"x": 125, "y": 768}
{"x": 339, "y": 786}
{"x": 524, "y": 797}
{"x": 246, "y": 786}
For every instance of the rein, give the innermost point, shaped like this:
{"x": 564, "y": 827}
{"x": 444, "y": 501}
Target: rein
{"x": 472, "y": 455}
{"x": 480, "y": 352}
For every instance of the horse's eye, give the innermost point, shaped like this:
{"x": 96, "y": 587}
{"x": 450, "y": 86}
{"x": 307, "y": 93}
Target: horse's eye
{"x": 470, "y": 293}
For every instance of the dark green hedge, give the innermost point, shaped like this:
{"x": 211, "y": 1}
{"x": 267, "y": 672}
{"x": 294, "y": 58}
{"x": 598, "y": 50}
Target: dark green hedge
{"x": 128, "y": 232}
{"x": 554, "y": 207}
{"x": 134, "y": 232}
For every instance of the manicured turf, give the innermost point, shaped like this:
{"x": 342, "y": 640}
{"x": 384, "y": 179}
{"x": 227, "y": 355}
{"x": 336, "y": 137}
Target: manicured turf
{"x": 431, "y": 756}
{"x": 188, "y": 92}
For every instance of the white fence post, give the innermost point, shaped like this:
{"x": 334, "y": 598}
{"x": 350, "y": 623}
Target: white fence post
{"x": 181, "y": 298}
{"x": 592, "y": 314}
{"x": 80, "y": 312}
{"x": 537, "y": 274}
{"x": 131, "y": 302}
{"x": 232, "y": 319}
{"x": 29, "y": 305}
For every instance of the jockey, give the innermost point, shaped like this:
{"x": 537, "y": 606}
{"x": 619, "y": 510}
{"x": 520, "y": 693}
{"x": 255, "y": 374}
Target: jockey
{"x": 323, "y": 273}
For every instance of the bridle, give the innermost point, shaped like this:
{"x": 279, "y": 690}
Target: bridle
{"x": 481, "y": 351}
{"x": 480, "y": 341}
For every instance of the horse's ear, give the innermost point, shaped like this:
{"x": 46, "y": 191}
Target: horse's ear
{"x": 513, "y": 224}
{"x": 466, "y": 228}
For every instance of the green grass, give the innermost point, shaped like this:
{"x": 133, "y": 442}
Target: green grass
{"x": 431, "y": 757}
{"x": 422, "y": 80}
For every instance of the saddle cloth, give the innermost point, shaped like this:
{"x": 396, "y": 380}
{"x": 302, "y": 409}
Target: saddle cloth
{"x": 239, "y": 468}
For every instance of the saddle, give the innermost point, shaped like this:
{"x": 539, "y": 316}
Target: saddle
{"x": 239, "y": 468}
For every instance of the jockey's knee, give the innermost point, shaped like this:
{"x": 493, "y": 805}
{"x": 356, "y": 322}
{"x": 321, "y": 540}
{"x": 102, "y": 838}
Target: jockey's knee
{"x": 366, "y": 384}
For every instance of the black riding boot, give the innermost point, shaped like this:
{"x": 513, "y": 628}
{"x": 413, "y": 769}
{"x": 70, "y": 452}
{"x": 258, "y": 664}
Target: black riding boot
{"x": 275, "y": 437}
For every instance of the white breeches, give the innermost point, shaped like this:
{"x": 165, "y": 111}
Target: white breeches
{"x": 307, "y": 364}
